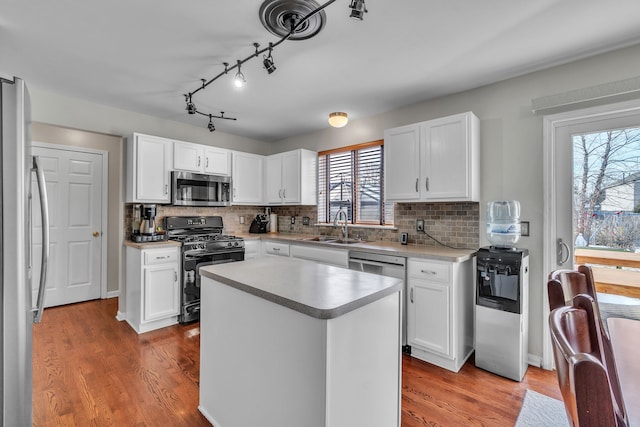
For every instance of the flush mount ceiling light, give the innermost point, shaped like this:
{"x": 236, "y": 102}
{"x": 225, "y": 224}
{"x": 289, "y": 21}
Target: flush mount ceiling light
{"x": 338, "y": 119}
{"x": 290, "y": 20}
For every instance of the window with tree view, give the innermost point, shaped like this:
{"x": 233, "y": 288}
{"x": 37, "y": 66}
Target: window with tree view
{"x": 351, "y": 179}
{"x": 606, "y": 188}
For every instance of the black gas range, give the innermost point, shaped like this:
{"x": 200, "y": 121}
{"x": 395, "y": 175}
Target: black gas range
{"x": 202, "y": 244}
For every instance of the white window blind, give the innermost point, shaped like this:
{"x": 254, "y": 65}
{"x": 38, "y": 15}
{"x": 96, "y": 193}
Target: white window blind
{"x": 352, "y": 180}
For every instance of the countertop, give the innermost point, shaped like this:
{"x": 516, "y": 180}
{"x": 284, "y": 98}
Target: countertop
{"x": 151, "y": 245}
{"x": 386, "y": 248}
{"x": 314, "y": 289}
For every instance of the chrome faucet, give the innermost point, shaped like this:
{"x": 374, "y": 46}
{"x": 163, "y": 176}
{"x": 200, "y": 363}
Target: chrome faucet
{"x": 345, "y": 229}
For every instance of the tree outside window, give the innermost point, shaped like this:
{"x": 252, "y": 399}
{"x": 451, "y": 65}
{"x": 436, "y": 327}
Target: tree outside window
{"x": 606, "y": 188}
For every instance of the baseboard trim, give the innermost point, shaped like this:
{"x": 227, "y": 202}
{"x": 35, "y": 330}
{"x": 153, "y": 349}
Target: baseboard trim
{"x": 534, "y": 360}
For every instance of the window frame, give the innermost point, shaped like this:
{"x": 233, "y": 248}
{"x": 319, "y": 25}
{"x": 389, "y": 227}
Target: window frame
{"x": 353, "y": 150}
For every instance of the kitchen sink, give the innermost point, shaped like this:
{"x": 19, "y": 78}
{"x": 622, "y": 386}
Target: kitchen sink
{"x": 349, "y": 241}
{"x": 326, "y": 239}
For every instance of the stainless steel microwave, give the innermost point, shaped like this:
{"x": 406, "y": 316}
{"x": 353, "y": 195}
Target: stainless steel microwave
{"x": 196, "y": 189}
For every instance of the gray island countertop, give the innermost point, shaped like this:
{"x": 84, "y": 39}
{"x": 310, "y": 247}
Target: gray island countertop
{"x": 317, "y": 290}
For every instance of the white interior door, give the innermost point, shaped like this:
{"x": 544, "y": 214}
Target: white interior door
{"x": 74, "y": 189}
{"x": 559, "y": 165}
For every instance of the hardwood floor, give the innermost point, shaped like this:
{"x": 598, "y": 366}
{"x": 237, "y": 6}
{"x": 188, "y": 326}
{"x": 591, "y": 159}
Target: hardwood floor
{"x": 90, "y": 369}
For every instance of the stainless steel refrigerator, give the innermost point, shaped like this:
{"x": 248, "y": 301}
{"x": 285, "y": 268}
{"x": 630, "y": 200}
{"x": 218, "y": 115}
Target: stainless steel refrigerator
{"x": 18, "y": 311}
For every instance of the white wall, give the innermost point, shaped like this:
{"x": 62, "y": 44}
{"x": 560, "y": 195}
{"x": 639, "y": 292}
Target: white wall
{"x": 74, "y": 113}
{"x": 511, "y": 144}
{"x": 511, "y": 138}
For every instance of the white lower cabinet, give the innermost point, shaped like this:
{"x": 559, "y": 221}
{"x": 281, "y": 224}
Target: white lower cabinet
{"x": 270, "y": 247}
{"x": 153, "y": 287}
{"x": 440, "y": 311}
{"x": 251, "y": 249}
{"x": 337, "y": 257}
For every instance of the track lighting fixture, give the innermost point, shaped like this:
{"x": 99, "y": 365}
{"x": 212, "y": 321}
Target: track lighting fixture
{"x": 239, "y": 79}
{"x": 301, "y": 23}
{"x": 358, "y": 9}
{"x": 191, "y": 107}
{"x": 268, "y": 62}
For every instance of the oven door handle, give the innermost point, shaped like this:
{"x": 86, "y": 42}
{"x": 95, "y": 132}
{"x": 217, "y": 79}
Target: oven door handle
{"x": 197, "y": 255}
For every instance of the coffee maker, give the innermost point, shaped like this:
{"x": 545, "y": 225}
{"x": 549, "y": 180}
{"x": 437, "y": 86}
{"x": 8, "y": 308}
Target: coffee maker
{"x": 147, "y": 222}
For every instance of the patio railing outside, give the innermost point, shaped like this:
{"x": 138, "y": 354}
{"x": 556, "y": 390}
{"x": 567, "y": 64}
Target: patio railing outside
{"x": 615, "y": 272}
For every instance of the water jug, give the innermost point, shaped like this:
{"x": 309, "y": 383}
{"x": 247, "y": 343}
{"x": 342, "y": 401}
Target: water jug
{"x": 503, "y": 223}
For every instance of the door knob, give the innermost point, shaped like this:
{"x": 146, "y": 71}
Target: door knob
{"x": 96, "y": 233}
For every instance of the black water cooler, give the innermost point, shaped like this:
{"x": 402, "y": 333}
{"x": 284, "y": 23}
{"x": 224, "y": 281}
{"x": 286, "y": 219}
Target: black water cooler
{"x": 502, "y": 311}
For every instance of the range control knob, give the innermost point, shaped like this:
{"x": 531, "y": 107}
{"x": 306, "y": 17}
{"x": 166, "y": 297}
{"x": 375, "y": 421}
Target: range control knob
{"x": 236, "y": 243}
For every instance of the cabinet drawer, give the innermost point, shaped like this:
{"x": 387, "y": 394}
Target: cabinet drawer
{"x": 430, "y": 270}
{"x": 161, "y": 256}
{"x": 275, "y": 248}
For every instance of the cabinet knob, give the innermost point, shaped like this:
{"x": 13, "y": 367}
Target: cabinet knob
{"x": 96, "y": 233}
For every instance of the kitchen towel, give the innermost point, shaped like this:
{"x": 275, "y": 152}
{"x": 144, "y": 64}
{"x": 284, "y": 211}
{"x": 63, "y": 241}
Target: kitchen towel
{"x": 273, "y": 223}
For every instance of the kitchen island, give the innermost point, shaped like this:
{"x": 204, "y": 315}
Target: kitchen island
{"x": 288, "y": 342}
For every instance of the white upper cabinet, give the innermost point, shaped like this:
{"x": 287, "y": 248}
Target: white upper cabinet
{"x": 149, "y": 160}
{"x": 290, "y": 178}
{"x": 199, "y": 158}
{"x": 402, "y": 163}
{"x": 434, "y": 161}
{"x": 247, "y": 179}
{"x": 217, "y": 161}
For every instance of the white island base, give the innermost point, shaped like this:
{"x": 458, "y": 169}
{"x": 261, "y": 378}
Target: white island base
{"x": 264, "y": 364}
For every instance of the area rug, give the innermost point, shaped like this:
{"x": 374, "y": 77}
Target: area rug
{"x": 619, "y": 307}
{"x": 539, "y": 410}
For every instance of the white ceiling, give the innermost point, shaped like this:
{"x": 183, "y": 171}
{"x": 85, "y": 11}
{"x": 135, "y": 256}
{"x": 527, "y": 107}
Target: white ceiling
{"x": 143, "y": 55}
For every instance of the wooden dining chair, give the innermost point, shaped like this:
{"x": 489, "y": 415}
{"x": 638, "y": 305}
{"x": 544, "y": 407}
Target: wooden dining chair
{"x": 583, "y": 377}
{"x": 563, "y": 286}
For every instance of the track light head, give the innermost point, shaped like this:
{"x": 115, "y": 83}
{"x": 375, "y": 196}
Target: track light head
{"x": 358, "y": 9}
{"x": 268, "y": 63}
{"x": 239, "y": 79}
{"x": 211, "y": 126}
{"x": 191, "y": 107}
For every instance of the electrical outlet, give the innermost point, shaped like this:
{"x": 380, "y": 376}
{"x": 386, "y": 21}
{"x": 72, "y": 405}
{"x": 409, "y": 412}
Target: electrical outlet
{"x": 293, "y": 220}
{"x": 420, "y": 225}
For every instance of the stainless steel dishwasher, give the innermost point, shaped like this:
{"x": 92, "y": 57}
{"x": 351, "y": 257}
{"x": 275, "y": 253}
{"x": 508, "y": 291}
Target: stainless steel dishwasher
{"x": 385, "y": 265}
